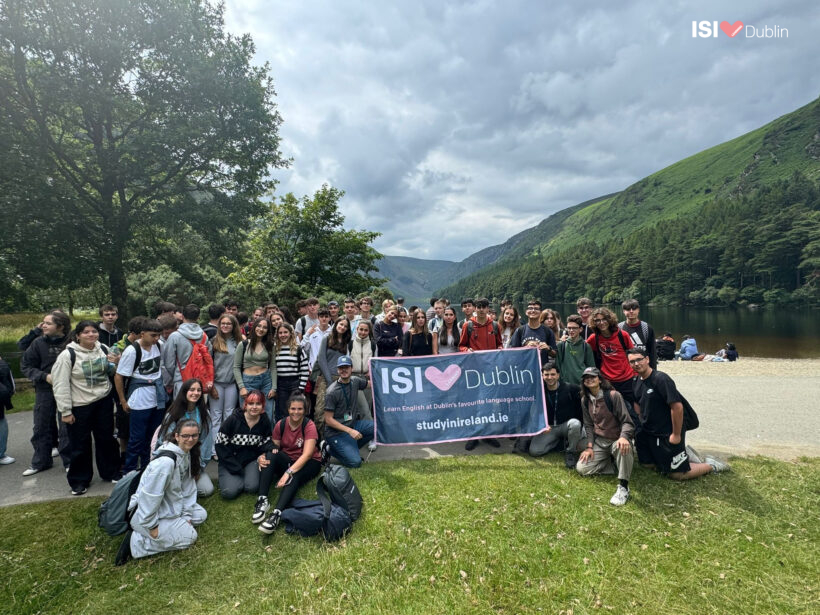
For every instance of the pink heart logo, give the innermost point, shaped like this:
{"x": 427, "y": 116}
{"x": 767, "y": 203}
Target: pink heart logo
{"x": 443, "y": 380}
{"x": 731, "y": 29}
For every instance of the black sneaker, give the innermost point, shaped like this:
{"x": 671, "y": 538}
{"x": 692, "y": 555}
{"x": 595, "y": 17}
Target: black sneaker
{"x": 324, "y": 451}
{"x": 262, "y": 506}
{"x": 492, "y": 442}
{"x": 570, "y": 459}
{"x": 270, "y": 524}
{"x": 471, "y": 444}
{"x": 124, "y": 552}
{"x": 79, "y": 490}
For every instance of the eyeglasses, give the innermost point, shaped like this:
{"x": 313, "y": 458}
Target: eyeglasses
{"x": 599, "y": 320}
{"x": 189, "y": 436}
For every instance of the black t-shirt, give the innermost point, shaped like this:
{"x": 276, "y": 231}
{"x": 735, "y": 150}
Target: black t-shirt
{"x": 655, "y": 395}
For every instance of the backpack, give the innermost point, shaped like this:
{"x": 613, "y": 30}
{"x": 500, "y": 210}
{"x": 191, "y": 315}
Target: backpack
{"x": 114, "y": 516}
{"x": 200, "y": 365}
{"x": 471, "y": 325}
{"x": 304, "y": 517}
{"x": 596, "y": 351}
{"x": 336, "y": 485}
{"x": 644, "y": 332}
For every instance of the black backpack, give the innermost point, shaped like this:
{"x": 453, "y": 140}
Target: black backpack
{"x": 336, "y": 485}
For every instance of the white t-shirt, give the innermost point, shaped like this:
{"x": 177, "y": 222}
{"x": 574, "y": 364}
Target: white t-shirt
{"x": 143, "y": 397}
{"x": 313, "y": 342}
{"x": 309, "y": 322}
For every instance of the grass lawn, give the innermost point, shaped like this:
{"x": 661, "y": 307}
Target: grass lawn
{"x": 15, "y": 326}
{"x": 475, "y": 534}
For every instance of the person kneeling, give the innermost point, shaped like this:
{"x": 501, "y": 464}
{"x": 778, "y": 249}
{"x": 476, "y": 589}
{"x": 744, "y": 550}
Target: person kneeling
{"x": 241, "y": 439}
{"x": 343, "y": 433}
{"x": 165, "y": 501}
{"x": 294, "y": 461}
{"x": 661, "y": 441}
{"x": 609, "y": 430}
{"x": 564, "y": 418}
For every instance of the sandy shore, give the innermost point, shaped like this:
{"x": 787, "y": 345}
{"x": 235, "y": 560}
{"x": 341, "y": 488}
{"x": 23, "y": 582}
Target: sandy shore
{"x": 753, "y": 406}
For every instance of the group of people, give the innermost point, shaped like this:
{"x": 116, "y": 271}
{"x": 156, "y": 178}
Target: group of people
{"x": 265, "y": 395}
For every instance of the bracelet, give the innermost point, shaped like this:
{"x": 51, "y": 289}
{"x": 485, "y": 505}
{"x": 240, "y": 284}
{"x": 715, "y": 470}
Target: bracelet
{"x": 289, "y": 471}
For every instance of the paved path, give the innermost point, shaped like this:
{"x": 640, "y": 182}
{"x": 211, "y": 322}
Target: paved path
{"x": 755, "y": 420}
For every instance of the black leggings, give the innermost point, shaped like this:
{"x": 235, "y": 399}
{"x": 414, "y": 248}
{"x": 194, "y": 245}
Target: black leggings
{"x": 280, "y": 462}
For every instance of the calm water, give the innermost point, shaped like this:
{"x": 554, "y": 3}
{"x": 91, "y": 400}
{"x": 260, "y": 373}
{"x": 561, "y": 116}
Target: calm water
{"x": 780, "y": 333}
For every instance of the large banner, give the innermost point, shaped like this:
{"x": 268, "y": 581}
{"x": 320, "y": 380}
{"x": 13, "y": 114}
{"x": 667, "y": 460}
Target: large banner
{"x": 460, "y": 396}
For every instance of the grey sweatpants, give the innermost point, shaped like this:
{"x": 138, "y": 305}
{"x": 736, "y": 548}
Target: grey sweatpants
{"x": 173, "y": 534}
{"x": 565, "y": 436}
{"x": 606, "y": 458}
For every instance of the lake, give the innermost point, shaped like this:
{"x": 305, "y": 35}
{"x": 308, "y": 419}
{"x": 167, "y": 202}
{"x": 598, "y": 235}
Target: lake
{"x": 786, "y": 333}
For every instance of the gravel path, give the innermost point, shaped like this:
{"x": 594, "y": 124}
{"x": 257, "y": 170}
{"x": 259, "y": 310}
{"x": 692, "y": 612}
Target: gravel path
{"x": 752, "y": 407}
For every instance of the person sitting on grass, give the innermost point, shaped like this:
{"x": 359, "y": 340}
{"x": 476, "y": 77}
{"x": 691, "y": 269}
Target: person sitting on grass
{"x": 241, "y": 439}
{"x": 344, "y": 433}
{"x": 294, "y": 461}
{"x": 165, "y": 508}
{"x": 661, "y": 440}
{"x": 609, "y": 431}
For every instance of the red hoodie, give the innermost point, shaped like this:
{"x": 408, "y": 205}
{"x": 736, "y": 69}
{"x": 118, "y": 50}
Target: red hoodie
{"x": 483, "y": 337}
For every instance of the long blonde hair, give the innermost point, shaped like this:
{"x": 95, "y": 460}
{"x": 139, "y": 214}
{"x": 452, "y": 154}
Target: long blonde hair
{"x": 220, "y": 342}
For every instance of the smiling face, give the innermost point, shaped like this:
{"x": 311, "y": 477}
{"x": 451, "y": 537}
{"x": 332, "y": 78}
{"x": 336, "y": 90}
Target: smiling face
{"x": 187, "y": 438}
{"x": 639, "y": 363}
{"x": 296, "y": 412}
{"x": 194, "y": 393}
{"x": 551, "y": 378}
{"x": 88, "y": 336}
{"x": 593, "y": 383}
{"x": 226, "y": 326}
{"x": 276, "y": 319}
{"x": 362, "y": 331}
{"x": 341, "y": 326}
{"x": 283, "y": 334}
{"x": 254, "y": 406}
{"x": 509, "y": 315}
{"x": 261, "y": 328}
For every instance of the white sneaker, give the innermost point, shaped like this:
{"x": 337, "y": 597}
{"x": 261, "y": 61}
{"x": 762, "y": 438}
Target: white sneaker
{"x": 694, "y": 456}
{"x": 54, "y": 452}
{"x": 372, "y": 446}
{"x": 620, "y": 497}
{"x": 262, "y": 506}
{"x": 717, "y": 464}
{"x": 30, "y": 472}
{"x": 6, "y": 460}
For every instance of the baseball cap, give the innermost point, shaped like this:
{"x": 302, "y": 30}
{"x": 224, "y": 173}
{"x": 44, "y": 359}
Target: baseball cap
{"x": 344, "y": 361}
{"x": 589, "y": 371}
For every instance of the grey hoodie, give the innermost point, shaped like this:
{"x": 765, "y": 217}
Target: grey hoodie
{"x": 177, "y": 350}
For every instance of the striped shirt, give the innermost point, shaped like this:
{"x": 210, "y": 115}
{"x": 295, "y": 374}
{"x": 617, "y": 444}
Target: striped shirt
{"x": 293, "y": 365}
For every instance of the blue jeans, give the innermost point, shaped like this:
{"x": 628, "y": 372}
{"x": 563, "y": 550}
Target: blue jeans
{"x": 143, "y": 424}
{"x": 346, "y": 449}
{"x": 4, "y": 436}
{"x": 263, "y": 383}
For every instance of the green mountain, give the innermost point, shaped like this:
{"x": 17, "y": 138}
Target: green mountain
{"x": 580, "y": 250}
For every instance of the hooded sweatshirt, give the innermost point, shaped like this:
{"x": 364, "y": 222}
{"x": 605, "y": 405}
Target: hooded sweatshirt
{"x": 82, "y": 384}
{"x": 480, "y": 337}
{"x": 39, "y": 358}
{"x": 166, "y": 491}
{"x": 177, "y": 350}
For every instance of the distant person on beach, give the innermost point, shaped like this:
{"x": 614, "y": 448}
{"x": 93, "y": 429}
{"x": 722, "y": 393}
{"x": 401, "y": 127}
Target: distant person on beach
{"x": 642, "y": 334}
{"x": 729, "y": 353}
{"x": 665, "y": 347}
{"x": 688, "y": 349}
{"x": 661, "y": 439}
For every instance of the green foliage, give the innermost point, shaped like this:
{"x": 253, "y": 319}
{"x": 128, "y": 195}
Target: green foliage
{"x": 301, "y": 248}
{"x": 139, "y": 133}
{"x": 474, "y": 535}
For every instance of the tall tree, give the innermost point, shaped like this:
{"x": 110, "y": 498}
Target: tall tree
{"x": 301, "y": 246}
{"x": 147, "y": 117}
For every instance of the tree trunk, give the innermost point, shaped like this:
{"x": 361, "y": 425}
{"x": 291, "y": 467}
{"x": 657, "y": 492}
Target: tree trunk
{"x": 116, "y": 282}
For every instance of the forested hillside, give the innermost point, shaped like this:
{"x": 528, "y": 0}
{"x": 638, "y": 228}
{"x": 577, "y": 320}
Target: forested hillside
{"x": 737, "y": 223}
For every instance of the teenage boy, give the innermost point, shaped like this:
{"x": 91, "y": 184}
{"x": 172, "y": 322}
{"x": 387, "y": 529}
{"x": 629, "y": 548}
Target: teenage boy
{"x": 344, "y": 433}
{"x": 643, "y": 336}
{"x": 350, "y": 309}
{"x": 609, "y": 345}
{"x": 109, "y": 333}
{"x": 232, "y": 307}
{"x": 333, "y": 308}
{"x": 177, "y": 351}
{"x": 365, "y": 305}
{"x": 386, "y": 305}
{"x": 143, "y": 399}
{"x": 534, "y": 334}
{"x": 314, "y": 336}
{"x": 584, "y": 308}
{"x": 309, "y": 319}
{"x": 564, "y": 417}
{"x": 480, "y": 333}
{"x": 661, "y": 440}
{"x": 169, "y": 325}
{"x": 435, "y": 324}
{"x": 467, "y": 309}
{"x": 215, "y": 311}
{"x": 573, "y": 354}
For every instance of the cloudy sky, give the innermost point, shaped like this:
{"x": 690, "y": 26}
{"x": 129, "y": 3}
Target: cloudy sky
{"x": 452, "y": 125}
